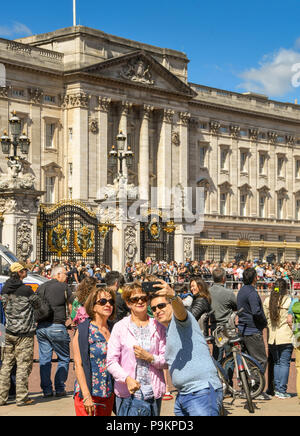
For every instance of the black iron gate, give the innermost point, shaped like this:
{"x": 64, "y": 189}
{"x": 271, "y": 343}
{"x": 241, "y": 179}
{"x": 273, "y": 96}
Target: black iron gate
{"x": 157, "y": 239}
{"x": 69, "y": 230}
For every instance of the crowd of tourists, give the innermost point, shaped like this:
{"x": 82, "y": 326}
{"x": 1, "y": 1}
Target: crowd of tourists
{"x": 176, "y": 272}
{"x": 128, "y": 342}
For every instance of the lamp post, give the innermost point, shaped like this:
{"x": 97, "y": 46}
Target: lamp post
{"x": 120, "y": 153}
{"x": 18, "y": 140}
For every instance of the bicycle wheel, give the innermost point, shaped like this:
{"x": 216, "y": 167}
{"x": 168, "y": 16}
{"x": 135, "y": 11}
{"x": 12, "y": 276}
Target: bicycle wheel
{"x": 256, "y": 379}
{"x": 246, "y": 388}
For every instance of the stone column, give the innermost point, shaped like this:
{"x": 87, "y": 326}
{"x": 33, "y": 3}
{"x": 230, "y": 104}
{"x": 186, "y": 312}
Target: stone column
{"x": 125, "y": 107}
{"x": 234, "y": 172}
{"x": 78, "y": 105}
{"x": 164, "y": 157}
{"x": 144, "y": 153}
{"x": 214, "y": 165}
{"x": 184, "y": 148}
{"x": 102, "y": 154}
{"x": 254, "y": 172}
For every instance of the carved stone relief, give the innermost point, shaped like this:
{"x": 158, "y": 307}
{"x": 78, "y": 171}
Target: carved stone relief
{"x": 187, "y": 248}
{"x": 137, "y": 71}
{"x": 24, "y": 239}
{"x": 130, "y": 243}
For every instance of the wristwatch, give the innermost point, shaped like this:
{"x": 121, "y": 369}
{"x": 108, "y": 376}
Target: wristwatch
{"x": 173, "y": 298}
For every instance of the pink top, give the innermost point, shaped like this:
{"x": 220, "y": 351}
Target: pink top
{"x": 121, "y": 360}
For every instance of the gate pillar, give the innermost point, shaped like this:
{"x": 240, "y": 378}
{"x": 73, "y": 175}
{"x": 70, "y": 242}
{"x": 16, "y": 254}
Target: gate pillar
{"x": 19, "y": 210}
{"x": 113, "y": 209}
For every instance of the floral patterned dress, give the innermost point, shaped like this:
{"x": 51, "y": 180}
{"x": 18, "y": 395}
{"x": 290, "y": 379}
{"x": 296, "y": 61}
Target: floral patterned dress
{"x": 101, "y": 378}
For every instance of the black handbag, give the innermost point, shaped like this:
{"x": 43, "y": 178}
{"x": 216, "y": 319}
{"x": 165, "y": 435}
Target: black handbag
{"x": 132, "y": 406}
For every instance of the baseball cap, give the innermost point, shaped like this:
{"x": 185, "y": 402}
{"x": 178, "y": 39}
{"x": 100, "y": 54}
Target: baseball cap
{"x": 16, "y": 267}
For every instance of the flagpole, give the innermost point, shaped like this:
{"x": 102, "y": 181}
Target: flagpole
{"x": 74, "y": 12}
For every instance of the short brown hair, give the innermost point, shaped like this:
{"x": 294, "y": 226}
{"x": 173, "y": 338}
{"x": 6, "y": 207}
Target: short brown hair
{"x": 92, "y": 298}
{"x": 129, "y": 289}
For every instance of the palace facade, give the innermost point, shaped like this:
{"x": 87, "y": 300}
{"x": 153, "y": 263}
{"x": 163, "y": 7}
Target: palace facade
{"x": 76, "y": 88}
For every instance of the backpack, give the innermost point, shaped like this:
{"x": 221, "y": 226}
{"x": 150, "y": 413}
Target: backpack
{"x": 45, "y": 313}
{"x": 296, "y": 323}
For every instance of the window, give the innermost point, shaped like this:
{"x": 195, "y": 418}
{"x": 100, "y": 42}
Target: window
{"x": 224, "y": 153}
{"x": 243, "y": 160}
{"x": 49, "y": 99}
{"x": 243, "y": 205}
{"x": 50, "y": 135}
{"x": 18, "y": 93}
{"x": 298, "y": 210}
{"x": 70, "y": 193}
{"x": 297, "y": 168}
{"x": 279, "y": 208}
{"x": 262, "y": 161}
{"x": 70, "y": 134}
{"x": 280, "y": 255}
{"x": 50, "y": 185}
{"x": 280, "y": 162}
{"x": 202, "y": 153}
{"x": 223, "y": 198}
{"x": 262, "y": 200}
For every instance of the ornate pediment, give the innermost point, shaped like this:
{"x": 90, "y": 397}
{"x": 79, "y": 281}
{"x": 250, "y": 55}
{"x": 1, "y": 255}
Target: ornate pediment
{"x": 139, "y": 68}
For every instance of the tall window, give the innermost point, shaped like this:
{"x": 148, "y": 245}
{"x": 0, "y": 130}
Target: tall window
{"x": 280, "y": 162}
{"x": 202, "y": 153}
{"x": 243, "y": 199}
{"x": 279, "y": 208}
{"x": 243, "y": 160}
{"x": 262, "y": 161}
{"x": 297, "y": 168}
{"x": 224, "y": 156}
{"x": 223, "y": 198}
{"x": 262, "y": 201}
{"x": 50, "y": 135}
{"x": 50, "y": 185}
{"x": 298, "y": 210}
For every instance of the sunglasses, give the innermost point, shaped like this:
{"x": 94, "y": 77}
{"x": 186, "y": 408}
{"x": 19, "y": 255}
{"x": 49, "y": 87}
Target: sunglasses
{"x": 135, "y": 300}
{"x": 159, "y": 306}
{"x": 104, "y": 301}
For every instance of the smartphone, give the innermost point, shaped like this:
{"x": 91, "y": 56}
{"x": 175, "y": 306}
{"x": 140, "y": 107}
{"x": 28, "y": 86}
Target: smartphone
{"x": 148, "y": 287}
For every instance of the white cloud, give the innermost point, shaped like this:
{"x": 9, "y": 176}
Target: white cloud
{"x": 274, "y": 75}
{"x": 16, "y": 29}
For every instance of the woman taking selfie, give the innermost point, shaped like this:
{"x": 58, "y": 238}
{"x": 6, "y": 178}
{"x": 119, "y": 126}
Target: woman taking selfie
{"x": 93, "y": 393}
{"x": 135, "y": 356}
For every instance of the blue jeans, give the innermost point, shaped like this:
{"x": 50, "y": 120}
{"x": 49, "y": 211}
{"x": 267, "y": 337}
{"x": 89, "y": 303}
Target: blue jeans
{"x": 206, "y": 402}
{"x": 282, "y": 355}
{"x": 156, "y": 405}
{"x": 53, "y": 337}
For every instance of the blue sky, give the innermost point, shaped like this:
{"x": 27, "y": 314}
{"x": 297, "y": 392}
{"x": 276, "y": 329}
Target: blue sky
{"x": 233, "y": 45}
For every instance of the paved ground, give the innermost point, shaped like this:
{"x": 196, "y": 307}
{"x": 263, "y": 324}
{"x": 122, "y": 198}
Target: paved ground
{"x": 65, "y": 407}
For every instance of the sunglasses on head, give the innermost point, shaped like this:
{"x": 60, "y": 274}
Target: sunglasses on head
{"x": 159, "y": 306}
{"x": 104, "y": 301}
{"x": 142, "y": 298}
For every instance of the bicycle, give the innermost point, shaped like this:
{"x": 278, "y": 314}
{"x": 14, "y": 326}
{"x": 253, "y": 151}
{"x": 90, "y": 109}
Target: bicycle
{"x": 244, "y": 375}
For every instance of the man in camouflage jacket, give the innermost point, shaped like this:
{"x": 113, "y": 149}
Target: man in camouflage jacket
{"x": 19, "y": 303}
